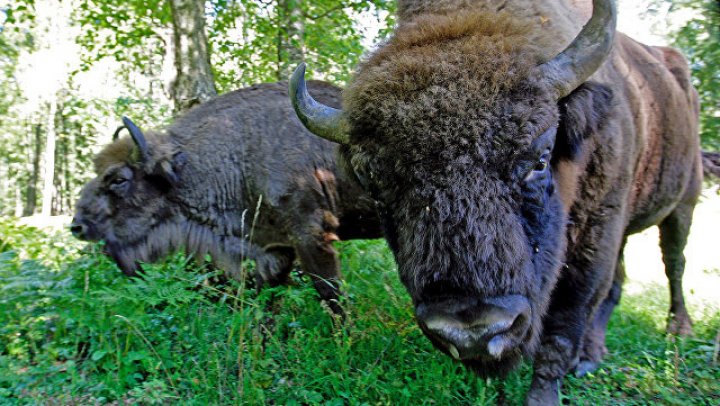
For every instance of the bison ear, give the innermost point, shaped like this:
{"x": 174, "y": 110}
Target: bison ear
{"x": 167, "y": 173}
{"x": 582, "y": 113}
{"x": 171, "y": 170}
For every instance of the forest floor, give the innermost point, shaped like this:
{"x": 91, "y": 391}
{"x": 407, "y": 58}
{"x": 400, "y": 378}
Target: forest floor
{"x": 73, "y": 330}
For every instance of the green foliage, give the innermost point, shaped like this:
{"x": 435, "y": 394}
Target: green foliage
{"x": 18, "y": 10}
{"x": 250, "y": 39}
{"x": 74, "y": 331}
{"x": 134, "y": 32}
{"x": 129, "y": 44}
{"x": 699, "y": 39}
{"x": 136, "y": 35}
{"x": 14, "y": 37}
{"x": 16, "y": 22}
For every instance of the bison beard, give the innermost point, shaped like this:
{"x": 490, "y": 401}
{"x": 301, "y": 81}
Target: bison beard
{"x": 170, "y": 237}
{"x": 450, "y": 125}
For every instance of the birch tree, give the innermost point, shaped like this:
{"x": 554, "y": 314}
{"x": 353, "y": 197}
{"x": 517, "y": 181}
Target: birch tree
{"x": 193, "y": 82}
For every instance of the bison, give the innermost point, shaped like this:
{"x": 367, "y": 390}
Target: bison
{"x": 196, "y": 186}
{"x": 511, "y": 156}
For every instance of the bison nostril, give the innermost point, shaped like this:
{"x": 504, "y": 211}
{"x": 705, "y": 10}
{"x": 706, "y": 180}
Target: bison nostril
{"x": 78, "y": 230}
{"x": 476, "y": 329}
{"x": 498, "y": 344}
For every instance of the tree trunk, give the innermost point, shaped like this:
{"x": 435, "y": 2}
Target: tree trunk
{"x": 61, "y": 181}
{"x": 3, "y": 186}
{"x": 291, "y": 33}
{"x": 72, "y": 167}
{"x": 194, "y": 82}
{"x": 49, "y": 173}
{"x": 18, "y": 203}
{"x": 31, "y": 193}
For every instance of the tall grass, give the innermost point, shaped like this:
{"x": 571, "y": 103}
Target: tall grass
{"x": 73, "y": 330}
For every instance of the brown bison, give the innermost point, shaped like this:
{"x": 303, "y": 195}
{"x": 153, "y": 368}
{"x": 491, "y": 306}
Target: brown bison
{"x": 196, "y": 185}
{"x": 509, "y": 168}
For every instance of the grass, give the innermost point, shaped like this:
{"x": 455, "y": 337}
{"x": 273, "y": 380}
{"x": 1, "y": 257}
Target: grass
{"x": 73, "y": 330}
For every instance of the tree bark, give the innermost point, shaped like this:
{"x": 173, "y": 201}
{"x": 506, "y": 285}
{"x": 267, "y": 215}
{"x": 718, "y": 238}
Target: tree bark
{"x": 194, "y": 82}
{"x": 62, "y": 184}
{"x": 291, "y": 33}
{"x": 72, "y": 167}
{"x": 31, "y": 192}
{"x": 18, "y": 203}
{"x": 49, "y": 173}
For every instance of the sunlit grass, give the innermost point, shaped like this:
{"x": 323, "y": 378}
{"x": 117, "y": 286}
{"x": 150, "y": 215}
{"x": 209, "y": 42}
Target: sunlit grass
{"x": 73, "y": 330}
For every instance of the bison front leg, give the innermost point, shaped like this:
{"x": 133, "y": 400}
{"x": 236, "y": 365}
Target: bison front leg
{"x": 318, "y": 258}
{"x": 593, "y": 348}
{"x": 582, "y": 285}
{"x": 274, "y": 265}
{"x": 674, "y": 232}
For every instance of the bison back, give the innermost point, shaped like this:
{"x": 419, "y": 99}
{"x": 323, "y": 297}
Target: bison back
{"x": 245, "y": 144}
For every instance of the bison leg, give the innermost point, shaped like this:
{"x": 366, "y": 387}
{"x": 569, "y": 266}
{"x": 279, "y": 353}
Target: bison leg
{"x": 594, "y": 349}
{"x": 674, "y": 232}
{"x": 580, "y": 289}
{"x": 318, "y": 260}
{"x": 274, "y": 265}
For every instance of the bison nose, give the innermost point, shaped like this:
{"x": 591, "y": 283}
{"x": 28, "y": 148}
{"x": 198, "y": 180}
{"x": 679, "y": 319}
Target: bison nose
{"x": 78, "y": 229}
{"x": 471, "y": 329}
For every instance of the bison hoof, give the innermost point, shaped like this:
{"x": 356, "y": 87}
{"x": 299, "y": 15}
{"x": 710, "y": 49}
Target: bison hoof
{"x": 590, "y": 357}
{"x": 544, "y": 393}
{"x": 585, "y": 367}
{"x": 335, "y": 309}
{"x": 680, "y": 325}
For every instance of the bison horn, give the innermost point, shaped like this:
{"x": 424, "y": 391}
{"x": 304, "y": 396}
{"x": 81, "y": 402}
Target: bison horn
{"x": 116, "y": 134}
{"x": 586, "y": 53}
{"x": 138, "y": 137}
{"x": 321, "y": 120}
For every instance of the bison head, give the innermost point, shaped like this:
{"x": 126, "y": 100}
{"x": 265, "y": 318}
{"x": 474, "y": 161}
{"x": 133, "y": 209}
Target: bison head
{"x": 128, "y": 200}
{"x": 468, "y": 142}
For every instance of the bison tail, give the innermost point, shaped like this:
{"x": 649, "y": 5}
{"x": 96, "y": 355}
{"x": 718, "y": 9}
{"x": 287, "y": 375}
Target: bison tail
{"x": 711, "y": 164}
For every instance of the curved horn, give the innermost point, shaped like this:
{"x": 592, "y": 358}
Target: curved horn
{"x": 138, "y": 137}
{"x": 321, "y": 120}
{"x": 116, "y": 134}
{"x": 586, "y": 53}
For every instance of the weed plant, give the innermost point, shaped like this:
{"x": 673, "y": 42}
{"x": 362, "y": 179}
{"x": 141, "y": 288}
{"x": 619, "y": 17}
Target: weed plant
{"x": 73, "y": 330}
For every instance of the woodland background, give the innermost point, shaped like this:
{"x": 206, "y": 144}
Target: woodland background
{"x": 73, "y": 330}
{"x": 71, "y": 68}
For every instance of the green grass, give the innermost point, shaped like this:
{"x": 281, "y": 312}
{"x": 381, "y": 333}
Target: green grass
{"x": 73, "y": 330}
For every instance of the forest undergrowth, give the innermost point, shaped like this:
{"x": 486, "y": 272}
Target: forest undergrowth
{"x": 74, "y": 330}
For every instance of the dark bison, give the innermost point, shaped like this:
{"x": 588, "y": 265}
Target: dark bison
{"x": 509, "y": 172}
{"x": 196, "y": 185}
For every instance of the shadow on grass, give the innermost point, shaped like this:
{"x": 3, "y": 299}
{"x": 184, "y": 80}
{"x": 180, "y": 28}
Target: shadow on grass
{"x": 645, "y": 365}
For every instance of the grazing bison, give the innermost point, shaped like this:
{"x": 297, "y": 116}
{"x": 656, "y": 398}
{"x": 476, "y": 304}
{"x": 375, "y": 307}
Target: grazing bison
{"x": 196, "y": 184}
{"x": 509, "y": 168}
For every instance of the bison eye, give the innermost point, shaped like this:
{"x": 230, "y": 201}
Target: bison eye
{"x": 540, "y": 168}
{"x": 541, "y": 165}
{"x": 118, "y": 182}
{"x": 119, "y": 185}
